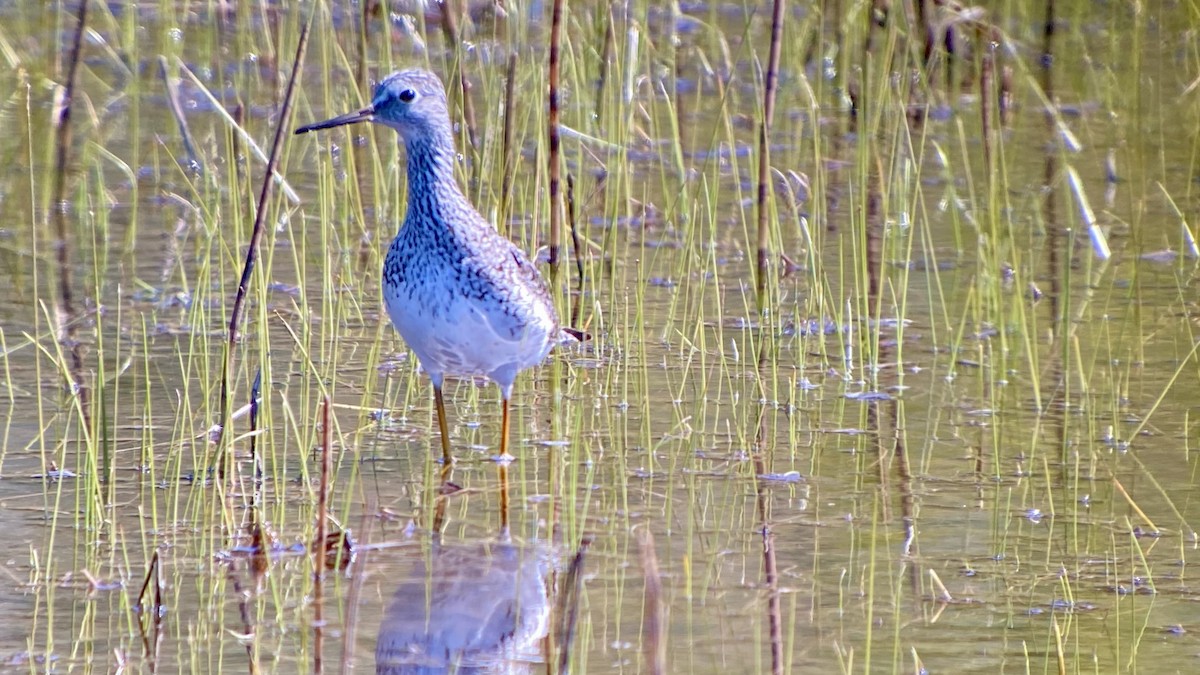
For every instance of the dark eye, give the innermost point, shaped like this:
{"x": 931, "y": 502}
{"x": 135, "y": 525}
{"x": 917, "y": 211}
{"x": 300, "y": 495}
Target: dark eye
{"x": 408, "y": 95}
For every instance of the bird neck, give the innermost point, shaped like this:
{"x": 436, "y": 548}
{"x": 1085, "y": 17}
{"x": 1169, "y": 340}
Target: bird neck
{"x": 432, "y": 187}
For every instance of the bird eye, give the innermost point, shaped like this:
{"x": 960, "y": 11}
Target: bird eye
{"x": 408, "y": 95}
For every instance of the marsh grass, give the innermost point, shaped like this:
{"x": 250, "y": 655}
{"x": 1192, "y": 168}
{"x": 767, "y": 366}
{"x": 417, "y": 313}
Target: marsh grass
{"x": 910, "y": 428}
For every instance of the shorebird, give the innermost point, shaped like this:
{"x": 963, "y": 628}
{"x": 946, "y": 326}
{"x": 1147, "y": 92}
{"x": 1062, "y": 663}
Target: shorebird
{"x": 465, "y": 299}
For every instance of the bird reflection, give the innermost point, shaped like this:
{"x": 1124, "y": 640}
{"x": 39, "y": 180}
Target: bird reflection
{"x": 467, "y": 608}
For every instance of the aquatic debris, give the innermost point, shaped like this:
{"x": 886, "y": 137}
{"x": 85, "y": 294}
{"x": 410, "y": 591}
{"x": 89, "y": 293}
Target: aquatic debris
{"x": 56, "y": 473}
{"x": 869, "y": 396}
{"x": 390, "y": 365}
{"x": 1059, "y": 605}
{"x": 812, "y": 327}
{"x": 448, "y": 488}
{"x": 785, "y": 477}
{"x": 792, "y": 187}
{"x": 1163, "y": 257}
{"x": 287, "y": 289}
{"x": 96, "y": 585}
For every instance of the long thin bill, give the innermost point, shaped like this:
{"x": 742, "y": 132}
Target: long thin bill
{"x": 364, "y": 115}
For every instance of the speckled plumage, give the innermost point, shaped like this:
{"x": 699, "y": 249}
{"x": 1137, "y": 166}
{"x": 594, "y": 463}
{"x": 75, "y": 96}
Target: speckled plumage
{"x": 464, "y": 298}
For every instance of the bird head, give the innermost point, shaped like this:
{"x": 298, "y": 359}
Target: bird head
{"x": 413, "y": 102}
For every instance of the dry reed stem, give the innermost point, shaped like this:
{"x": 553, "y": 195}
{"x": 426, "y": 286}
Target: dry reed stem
{"x": 555, "y": 141}
{"x": 577, "y": 245}
{"x": 157, "y": 610}
{"x": 762, "y": 501}
{"x": 255, "y": 460}
{"x": 764, "y": 159}
{"x": 318, "y": 545}
{"x": 239, "y": 300}
{"x": 770, "y": 568}
{"x": 986, "y": 77}
{"x": 62, "y": 250}
{"x": 568, "y": 606}
{"x": 243, "y": 597}
{"x": 176, "y": 108}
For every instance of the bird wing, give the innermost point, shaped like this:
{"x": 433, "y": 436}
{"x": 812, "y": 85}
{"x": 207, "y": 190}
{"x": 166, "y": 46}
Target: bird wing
{"x": 513, "y": 295}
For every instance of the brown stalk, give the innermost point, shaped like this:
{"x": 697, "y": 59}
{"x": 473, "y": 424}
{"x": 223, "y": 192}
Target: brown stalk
{"x": 950, "y": 45}
{"x": 1050, "y": 187}
{"x": 572, "y": 221}
{"x": 555, "y": 196}
{"x": 244, "y": 611}
{"x": 568, "y": 607}
{"x": 255, "y": 460}
{"x": 774, "y": 611}
{"x": 176, "y": 109}
{"x": 908, "y": 516}
{"x": 239, "y": 300}
{"x": 157, "y": 610}
{"x": 764, "y": 159}
{"x": 763, "y": 502}
{"x": 318, "y": 546}
{"x": 1048, "y": 28}
{"x": 924, "y": 20}
{"x": 62, "y": 249}
{"x": 987, "y": 75}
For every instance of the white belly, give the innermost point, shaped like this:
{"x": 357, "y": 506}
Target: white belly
{"x": 459, "y": 336}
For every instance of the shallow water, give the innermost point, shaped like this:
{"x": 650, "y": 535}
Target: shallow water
{"x": 964, "y": 440}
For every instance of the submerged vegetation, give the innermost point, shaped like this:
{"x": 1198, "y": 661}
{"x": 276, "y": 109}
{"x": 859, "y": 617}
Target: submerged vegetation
{"x": 893, "y": 338}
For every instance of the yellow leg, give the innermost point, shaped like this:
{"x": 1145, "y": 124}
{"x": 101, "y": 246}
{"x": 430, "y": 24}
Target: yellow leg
{"x": 447, "y": 458}
{"x": 504, "y": 457}
{"x": 440, "y": 498}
